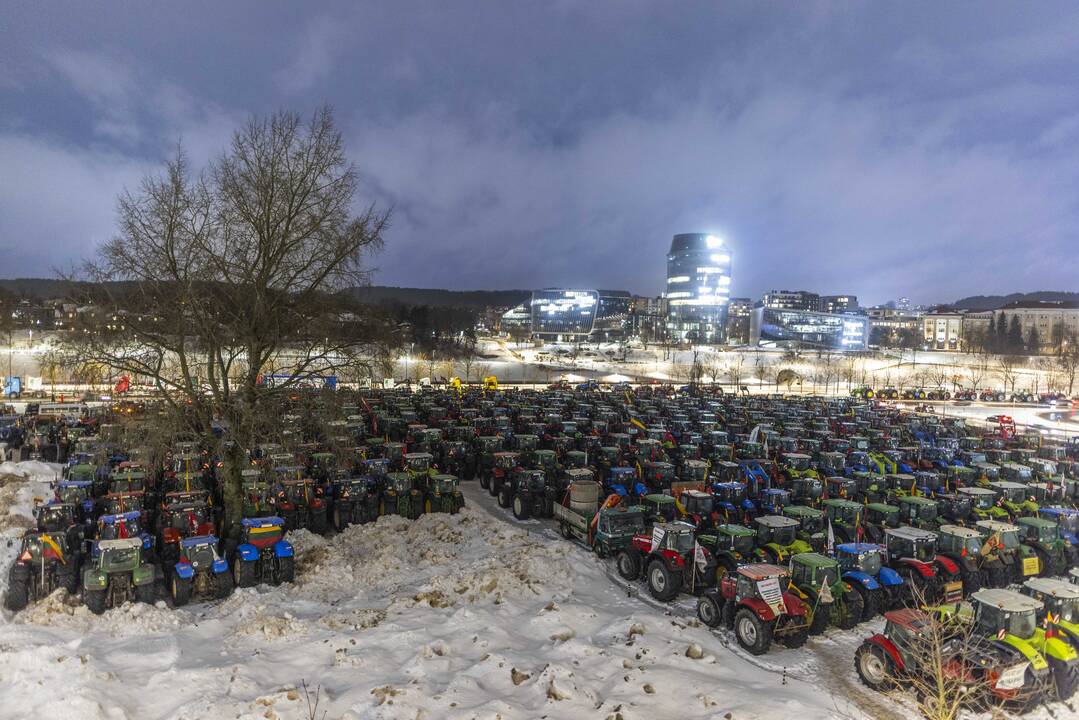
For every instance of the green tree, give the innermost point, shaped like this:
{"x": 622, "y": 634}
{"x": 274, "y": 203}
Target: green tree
{"x": 1034, "y": 342}
{"x": 1014, "y": 342}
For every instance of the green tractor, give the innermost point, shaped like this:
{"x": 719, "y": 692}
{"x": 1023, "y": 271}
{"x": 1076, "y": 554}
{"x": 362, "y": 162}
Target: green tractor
{"x": 845, "y": 518}
{"x": 731, "y": 546}
{"x": 399, "y": 497}
{"x": 878, "y": 517}
{"x": 810, "y": 525}
{"x": 445, "y": 495}
{"x": 1003, "y": 542}
{"x": 117, "y": 574}
{"x": 1060, "y": 606}
{"x": 1012, "y": 618}
{"x": 258, "y": 496}
{"x": 1015, "y": 498}
{"x": 963, "y": 546}
{"x": 983, "y": 504}
{"x": 815, "y": 578}
{"x": 918, "y": 512}
{"x": 659, "y": 508}
{"x": 1043, "y": 537}
{"x": 954, "y": 508}
{"x": 778, "y": 537}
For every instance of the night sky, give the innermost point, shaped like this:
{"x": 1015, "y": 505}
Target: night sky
{"x": 884, "y": 149}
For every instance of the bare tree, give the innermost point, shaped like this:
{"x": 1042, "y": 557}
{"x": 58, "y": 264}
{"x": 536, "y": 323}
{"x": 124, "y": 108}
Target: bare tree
{"x": 760, "y": 369}
{"x": 1068, "y": 365}
{"x": 231, "y": 286}
{"x": 1006, "y": 370}
{"x": 735, "y": 370}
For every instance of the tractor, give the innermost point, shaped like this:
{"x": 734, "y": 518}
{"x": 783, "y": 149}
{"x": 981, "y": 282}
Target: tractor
{"x": 810, "y": 525}
{"x": 200, "y": 571}
{"x": 660, "y": 509}
{"x": 907, "y": 651}
{"x": 1003, "y": 541}
{"x": 954, "y": 508}
{"x": 1044, "y": 538}
{"x": 117, "y": 574}
{"x": 1060, "y": 605}
{"x": 498, "y": 473}
{"x": 125, "y": 525}
{"x": 670, "y": 559}
{"x": 755, "y": 603}
{"x": 731, "y": 546}
{"x": 698, "y": 508}
{"x": 399, "y": 497}
{"x": 77, "y": 493}
{"x": 355, "y": 501}
{"x": 778, "y": 537}
{"x": 963, "y": 546}
{"x": 45, "y": 562}
{"x": 180, "y": 519}
{"x": 984, "y": 504}
{"x": 806, "y": 490}
{"x": 930, "y": 578}
{"x": 445, "y": 495}
{"x": 731, "y": 501}
{"x": 302, "y": 503}
{"x": 845, "y": 519}
{"x": 262, "y": 554}
{"x": 258, "y": 496}
{"x": 876, "y": 518}
{"x": 1013, "y": 618}
{"x": 1015, "y": 498}
{"x": 815, "y": 578}
{"x": 862, "y": 567}
{"x": 918, "y": 512}
{"x": 526, "y": 493}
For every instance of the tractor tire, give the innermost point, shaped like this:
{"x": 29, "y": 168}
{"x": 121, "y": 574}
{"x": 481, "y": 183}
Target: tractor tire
{"x": 521, "y": 509}
{"x": 18, "y": 593}
{"x": 972, "y": 581}
{"x": 709, "y": 611}
{"x": 222, "y": 585}
{"x": 996, "y": 576}
{"x": 567, "y": 534}
{"x": 244, "y": 573}
{"x": 753, "y": 634}
{"x": 95, "y": 600}
{"x": 286, "y": 570}
{"x": 68, "y": 579}
{"x": 662, "y": 583}
{"x": 628, "y": 564}
{"x": 485, "y": 482}
{"x": 505, "y": 496}
{"x": 821, "y": 613}
{"x": 852, "y": 610}
{"x": 317, "y": 523}
{"x": 146, "y": 593}
{"x": 492, "y": 490}
{"x": 1049, "y": 568}
{"x": 870, "y": 601}
{"x": 180, "y": 589}
{"x": 875, "y": 668}
{"x": 1065, "y": 678}
{"x": 725, "y": 565}
{"x": 795, "y": 639}
{"x": 339, "y": 523}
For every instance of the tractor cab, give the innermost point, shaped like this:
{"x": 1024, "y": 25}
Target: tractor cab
{"x": 658, "y": 475}
{"x": 960, "y": 542}
{"x": 694, "y": 471}
{"x": 865, "y": 558}
{"x": 773, "y": 500}
{"x": 782, "y": 531}
{"x": 76, "y": 492}
{"x": 1059, "y": 599}
{"x": 731, "y": 497}
{"x": 547, "y": 460}
{"x": 983, "y": 501}
{"x": 1045, "y": 494}
{"x": 910, "y": 542}
{"x": 1000, "y": 613}
{"x": 807, "y": 489}
{"x": 576, "y": 459}
{"x": 841, "y": 487}
{"x": 918, "y": 512}
{"x": 697, "y": 503}
{"x": 882, "y": 515}
{"x": 954, "y": 507}
{"x": 1067, "y": 519}
{"x": 660, "y": 508}
{"x": 418, "y": 463}
{"x": 623, "y": 481}
{"x": 813, "y": 570}
{"x": 796, "y": 462}
{"x": 830, "y": 463}
{"x": 55, "y": 516}
{"x": 1016, "y": 473}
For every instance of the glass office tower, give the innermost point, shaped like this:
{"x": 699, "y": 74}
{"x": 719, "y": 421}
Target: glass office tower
{"x": 698, "y": 288}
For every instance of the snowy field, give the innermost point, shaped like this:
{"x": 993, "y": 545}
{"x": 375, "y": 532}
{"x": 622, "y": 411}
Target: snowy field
{"x": 462, "y": 616}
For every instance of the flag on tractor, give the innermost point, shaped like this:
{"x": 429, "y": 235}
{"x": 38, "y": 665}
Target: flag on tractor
{"x": 825, "y": 593}
{"x": 831, "y": 537}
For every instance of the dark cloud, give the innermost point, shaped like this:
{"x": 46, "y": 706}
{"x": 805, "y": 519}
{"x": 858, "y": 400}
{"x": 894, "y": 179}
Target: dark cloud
{"x": 905, "y": 149}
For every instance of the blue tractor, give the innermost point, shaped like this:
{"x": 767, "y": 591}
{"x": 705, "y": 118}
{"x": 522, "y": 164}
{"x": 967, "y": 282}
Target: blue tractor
{"x": 862, "y": 565}
{"x": 125, "y": 525}
{"x": 623, "y": 481}
{"x": 731, "y": 500}
{"x": 263, "y": 554}
{"x": 200, "y": 572}
{"x": 78, "y": 493}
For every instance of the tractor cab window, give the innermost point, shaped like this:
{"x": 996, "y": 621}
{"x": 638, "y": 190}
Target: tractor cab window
{"x": 925, "y": 512}
{"x": 200, "y": 555}
{"x": 1021, "y": 624}
{"x": 681, "y": 542}
{"x": 921, "y": 550}
{"x": 1066, "y": 609}
{"x": 1009, "y": 539}
{"x": 869, "y": 563}
{"x": 119, "y": 557}
{"x": 783, "y": 535}
{"x": 1047, "y": 533}
{"x": 798, "y": 464}
{"x": 742, "y": 543}
{"x": 826, "y": 575}
{"x": 812, "y": 523}
{"x": 983, "y": 502}
{"x": 745, "y": 588}
{"x": 623, "y": 523}
{"x": 699, "y": 504}
{"x": 972, "y": 545}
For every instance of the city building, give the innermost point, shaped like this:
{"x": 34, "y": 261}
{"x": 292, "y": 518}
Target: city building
{"x": 1051, "y": 323}
{"x": 565, "y": 315}
{"x": 648, "y": 318}
{"x": 698, "y": 288}
{"x": 738, "y": 312}
{"x": 792, "y": 300}
{"x": 942, "y": 329}
{"x": 807, "y": 328}
{"x": 839, "y": 304}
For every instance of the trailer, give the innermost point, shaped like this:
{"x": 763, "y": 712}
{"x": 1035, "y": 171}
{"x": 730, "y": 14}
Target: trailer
{"x": 606, "y": 527}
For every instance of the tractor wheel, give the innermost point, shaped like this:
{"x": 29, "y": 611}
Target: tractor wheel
{"x": 18, "y": 593}
{"x": 95, "y": 600}
{"x": 725, "y": 566}
{"x": 485, "y": 482}
{"x": 492, "y": 490}
{"x": 821, "y": 613}
{"x": 286, "y": 570}
{"x": 521, "y": 509}
{"x": 754, "y": 635}
{"x": 567, "y": 534}
{"x": 853, "y": 609}
{"x": 68, "y": 579}
{"x": 795, "y": 639}
{"x": 972, "y": 581}
{"x": 870, "y": 600}
{"x": 1065, "y": 677}
{"x": 505, "y": 496}
{"x": 662, "y": 583}
{"x": 629, "y": 565}
{"x": 1046, "y": 561}
{"x": 339, "y": 523}
{"x": 874, "y": 666}
{"x": 222, "y": 585}
{"x": 317, "y": 522}
{"x": 180, "y": 589}
{"x": 146, "y": 593}
{"x": 708, "y": 610}
{"x": 996, "y": 575}
{"x": 244, "y": 573}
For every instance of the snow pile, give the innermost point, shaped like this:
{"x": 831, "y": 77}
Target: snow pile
{"x": 453, "y": 617}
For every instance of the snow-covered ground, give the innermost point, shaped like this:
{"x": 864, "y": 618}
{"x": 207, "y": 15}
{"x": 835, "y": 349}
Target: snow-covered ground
{"x": 459, "y": 616}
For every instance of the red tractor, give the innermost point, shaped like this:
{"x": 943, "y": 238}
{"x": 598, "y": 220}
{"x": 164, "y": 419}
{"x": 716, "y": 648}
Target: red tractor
{"x": 754, "y": 601}
{"x": 670, "y": 560}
